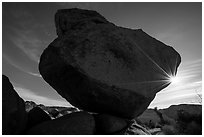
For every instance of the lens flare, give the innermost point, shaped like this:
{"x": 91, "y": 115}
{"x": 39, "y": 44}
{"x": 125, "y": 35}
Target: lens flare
{"x": 174, "y": 80}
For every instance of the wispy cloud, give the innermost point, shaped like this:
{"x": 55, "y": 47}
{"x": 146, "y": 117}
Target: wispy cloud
{"x": 24, "y": 38}
{"x": 27, "y": 94}
{"x": 35, "y": 74}
{"x": 192, "y": 70}
{"x": 11, "y": 62}
{"x": 24, "y": 32}
{"x": 28, "y": 43}
{"x": 193, "y": 62}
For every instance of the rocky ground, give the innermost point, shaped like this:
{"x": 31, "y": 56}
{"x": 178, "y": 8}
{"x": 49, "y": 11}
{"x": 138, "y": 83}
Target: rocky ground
{"x": 149, "y": 122}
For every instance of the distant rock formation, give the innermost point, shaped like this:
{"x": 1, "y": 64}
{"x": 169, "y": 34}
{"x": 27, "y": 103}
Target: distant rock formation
{"x": 100, "y": 67}
{"x": 29, "y": 105}
{"x": 52, "y": 111}
{"x": 14, "y": 116}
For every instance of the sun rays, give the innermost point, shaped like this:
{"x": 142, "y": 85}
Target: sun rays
{"x": 174, "y": 80}
{"x": 165, "y": 77}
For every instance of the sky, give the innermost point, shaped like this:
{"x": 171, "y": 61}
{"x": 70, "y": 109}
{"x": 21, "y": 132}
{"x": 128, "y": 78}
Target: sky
{"x": 28, "y": 28}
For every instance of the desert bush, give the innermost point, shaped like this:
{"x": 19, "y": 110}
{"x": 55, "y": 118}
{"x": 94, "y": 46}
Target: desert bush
{"x": 183, "y": 116}
{"x": 160, "y": 115}
{"x": 151, "y": 124}
{"x": 190, "y": 124}
{"x": 169, "y": 130}
{"x": 193, "y": 128}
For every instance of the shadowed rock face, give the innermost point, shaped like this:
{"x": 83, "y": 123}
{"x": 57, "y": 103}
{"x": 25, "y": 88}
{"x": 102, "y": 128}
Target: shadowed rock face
{"x": 14, "y": 116}
{"x": 77, "y": 123}
{"x": 108, "y": 124}
{"x": 100, "y": 67}
{"x": 36, "y": 116}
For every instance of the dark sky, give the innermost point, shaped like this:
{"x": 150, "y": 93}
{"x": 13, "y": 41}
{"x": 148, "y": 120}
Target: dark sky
{"x": 28, "y": 28}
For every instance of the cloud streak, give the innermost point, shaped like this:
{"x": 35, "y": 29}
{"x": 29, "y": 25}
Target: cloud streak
{"x": 25, "y": 32}
{"x": 28, "y": 43}
{"x": 28, "y": 95}
{"x": 11, "y": 62}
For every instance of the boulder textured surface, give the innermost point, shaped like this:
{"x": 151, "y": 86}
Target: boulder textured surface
{"x": 77, "y": 123}
{"x": 108, "y": 124}
{"x": 100, "y": 67}
{"x": 14, "y": 116}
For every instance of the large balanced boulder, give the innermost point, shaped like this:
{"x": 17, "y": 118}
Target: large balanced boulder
{"x": 100, "y": 67}
{"x": 14, "y": 116}
{"x": 77, "y": 123}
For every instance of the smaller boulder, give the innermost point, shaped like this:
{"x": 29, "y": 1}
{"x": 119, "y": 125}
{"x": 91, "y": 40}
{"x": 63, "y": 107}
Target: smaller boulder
{"x": 36, "y": 116}
{"x": 77, "y": 123}
{"x": 109, "y": 124}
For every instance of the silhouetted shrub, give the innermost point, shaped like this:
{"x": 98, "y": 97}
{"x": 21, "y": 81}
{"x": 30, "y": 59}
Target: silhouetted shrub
{"x": 151, "y": 124}
{"x": 160, "y": 115}
{"x": 190, "y": 124}
{"x": 193, "y": 128}
{"x": 169, "y": 130}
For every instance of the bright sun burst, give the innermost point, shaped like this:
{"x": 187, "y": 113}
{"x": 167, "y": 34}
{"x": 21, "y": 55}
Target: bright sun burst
{"x": 174, "y": 80}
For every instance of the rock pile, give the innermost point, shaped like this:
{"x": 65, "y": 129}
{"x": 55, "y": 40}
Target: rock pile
{"x": 109, "y": 72}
